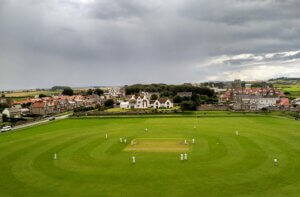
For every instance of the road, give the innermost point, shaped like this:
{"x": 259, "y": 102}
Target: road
{"x": 39, "y": 122}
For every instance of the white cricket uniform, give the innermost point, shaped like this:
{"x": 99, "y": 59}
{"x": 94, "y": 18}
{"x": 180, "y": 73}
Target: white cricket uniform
{"x": 185, "y": 156}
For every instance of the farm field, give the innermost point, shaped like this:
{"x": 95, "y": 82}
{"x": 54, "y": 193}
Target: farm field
{"x": 294, "y": 90}
{"x": 220, "y": 163}
{"x": 32, "y": 93}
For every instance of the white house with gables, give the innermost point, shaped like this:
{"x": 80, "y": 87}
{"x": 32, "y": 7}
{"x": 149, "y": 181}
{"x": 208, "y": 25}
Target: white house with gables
{"x": 163, "y": 102}
{"x": 142, "y": 102}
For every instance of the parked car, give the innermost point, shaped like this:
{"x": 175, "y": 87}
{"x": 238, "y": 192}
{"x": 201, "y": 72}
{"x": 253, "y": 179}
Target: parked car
{"x": 6, "y": 128}
{"x": 51, "y": 118}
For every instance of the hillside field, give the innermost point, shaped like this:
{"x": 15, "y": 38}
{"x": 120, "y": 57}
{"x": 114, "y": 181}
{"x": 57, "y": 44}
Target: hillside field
{"x": 294, "y": 90}
{"x": 25, "y": 94}
{"x": 220, "y": 163}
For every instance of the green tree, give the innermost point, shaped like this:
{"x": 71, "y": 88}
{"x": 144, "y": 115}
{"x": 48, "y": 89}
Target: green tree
{"x": 204, "y": 99}
{"x": 89, "y": 92}
{"x": 55, "y": 88}
{"x": 26, "y": 105}
{"x": 42, "y": 95}
{"x": 166, "y": 94}
{"x": 185, "y": 98}
{"x": 196, "y": 98}
{"x": 188, "y": 105}
{"x": 99, "y": 91}
{"x": 177, "y": 99}
{"x": 109, "y": 103}
{"x": 168, "y": 90}
{"x": 153, "y": 97}
{"x": 3, "y": 106}
{"x": 68, "y": 92}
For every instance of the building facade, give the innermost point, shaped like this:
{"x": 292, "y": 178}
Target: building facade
{"x": 253, "y": 102}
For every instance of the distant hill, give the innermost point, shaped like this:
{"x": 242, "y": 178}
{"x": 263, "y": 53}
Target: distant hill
{"x": 54, "y": 88}
{"x": 285, "y": 80}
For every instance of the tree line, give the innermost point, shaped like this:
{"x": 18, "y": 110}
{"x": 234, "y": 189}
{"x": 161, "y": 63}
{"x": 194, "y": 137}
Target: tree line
{"x": 168, "y": 90}
{"x": 200, "y": 95}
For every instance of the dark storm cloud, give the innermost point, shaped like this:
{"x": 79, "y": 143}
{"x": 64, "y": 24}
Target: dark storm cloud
{"x": 112, "y": 42}
{"x": 240, "y": 12}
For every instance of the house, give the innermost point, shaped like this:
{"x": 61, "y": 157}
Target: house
{"x": 25, "y": 111}
{"x": 63, "y": 105}
{"x": 13, "y": 112}
{"x": 139, "y": 102}
{"x": 142, "y": 102}
{"x": 39, "y": 108}
{"x": 231, "y": 94}
{"x": 163, "y": 102}
{"x": 132, "y": 104}
{"x": 218, "y": 90}
{"x": 248, "y": 86}
{"x": 50, "y": 107}
{"x": 56, "y": 107}
{"x": 136, "y": 102}
{"x": 226, "y": 96}
{"x": 79, "y": 102}
{"x": 284, "y": 102}
{"x": 93, "y": 100}
{"x": 3, "y": 101}
{"x": 124, "y": 105}
{"x": 72, "y": 104}
{"x": 296, "y": 101}
{"x": 254, "y": 102}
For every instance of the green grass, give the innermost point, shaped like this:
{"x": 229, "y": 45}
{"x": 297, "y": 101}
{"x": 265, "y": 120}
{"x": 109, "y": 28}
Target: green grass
{"x": 25, "y": 94}
{"x": 220, "y": 163}
{"x": 117, "y": 110}
{"x": 294, "y": 90}
{"x": 159, "y": 145}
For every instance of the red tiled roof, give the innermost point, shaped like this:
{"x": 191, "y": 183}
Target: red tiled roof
{"x": 284, "y": 102}
{"x": 39, "y": 104}
{"x": 162, "y": 100}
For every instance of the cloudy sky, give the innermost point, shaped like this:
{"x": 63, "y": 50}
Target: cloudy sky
{"x": 115, "y": 42}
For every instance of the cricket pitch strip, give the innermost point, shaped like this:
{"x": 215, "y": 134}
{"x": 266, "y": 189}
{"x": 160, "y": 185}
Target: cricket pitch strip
{"x": 158, "y": 145}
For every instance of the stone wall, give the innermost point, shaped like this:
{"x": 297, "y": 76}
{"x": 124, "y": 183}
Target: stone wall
{"x": 212, "y": 107}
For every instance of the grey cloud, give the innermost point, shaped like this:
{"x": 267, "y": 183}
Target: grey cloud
{"x": 112, "y": 42}
{"x": 238, "y": 61}
{"x": 239, "y": 12}
{"x": 114, "y": 9}
{"x": 257, "y": 58}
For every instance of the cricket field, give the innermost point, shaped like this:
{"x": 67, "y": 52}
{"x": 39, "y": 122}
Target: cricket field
{"x": 89, "y": 163}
